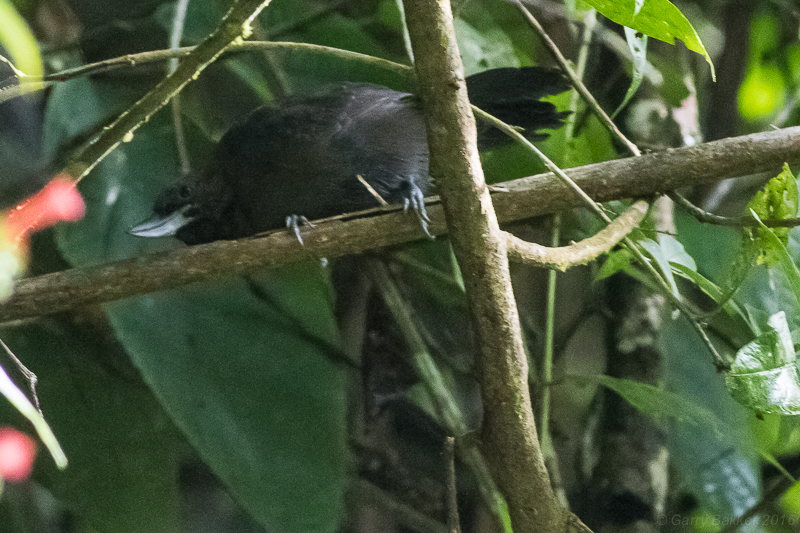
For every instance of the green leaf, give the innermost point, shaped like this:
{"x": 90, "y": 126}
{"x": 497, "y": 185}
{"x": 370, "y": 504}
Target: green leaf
{"x": 661, "y": 405}
{"x": 16, "y": 37}
{"x": 638, "y": 47}
{"x": 668, "y": 253}
{"x": 489, "y": 36}
{"x": 674, "y": 252}
{"x": 723, "y": 475}
{"x": 659, "y": 254}
{"x": 657, "y": 18}
{"x": 505, "y": 517}
{"x": 780, "y": 255}
{"x": 778, "y": 200}
{"x": 617, "y": 261}
{"x": 765, "y": 375}
{"x": 484, "y": 49}
{"x": 244, "y": 370}
{"x": 743, "y": 321}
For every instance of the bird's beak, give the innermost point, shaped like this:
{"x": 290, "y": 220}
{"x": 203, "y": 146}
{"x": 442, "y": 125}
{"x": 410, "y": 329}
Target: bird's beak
{"x": 159, "y": 226}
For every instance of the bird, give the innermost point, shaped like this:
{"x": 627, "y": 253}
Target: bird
{"x": 301, "y": 159}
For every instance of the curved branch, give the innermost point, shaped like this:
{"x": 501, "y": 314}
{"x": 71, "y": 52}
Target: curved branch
{"x": 578, "y": 253}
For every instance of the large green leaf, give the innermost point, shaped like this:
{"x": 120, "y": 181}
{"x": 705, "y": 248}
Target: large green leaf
{"x": 723, "y": 474}
{"x": 247, "y": 369}
{"x": 258, "y": 396}
{"x": 662, "y": 405}
{"x": 657, "y": 18}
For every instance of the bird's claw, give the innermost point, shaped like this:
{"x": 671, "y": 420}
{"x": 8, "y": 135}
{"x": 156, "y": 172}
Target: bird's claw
{"x": 293, "y": 223}
{"x": 416, "y": 201}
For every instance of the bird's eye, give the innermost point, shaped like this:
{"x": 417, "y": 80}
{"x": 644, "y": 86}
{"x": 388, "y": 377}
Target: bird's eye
{"x": 184, "y": 191}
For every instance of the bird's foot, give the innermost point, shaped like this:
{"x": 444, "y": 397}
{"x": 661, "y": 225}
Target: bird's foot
{"x": 293, "y": 223}
{"x": 415, "y": 200}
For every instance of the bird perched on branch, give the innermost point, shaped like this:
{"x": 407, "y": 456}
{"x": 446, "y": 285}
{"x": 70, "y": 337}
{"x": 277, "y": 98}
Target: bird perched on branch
{"x": 302, "y": 159}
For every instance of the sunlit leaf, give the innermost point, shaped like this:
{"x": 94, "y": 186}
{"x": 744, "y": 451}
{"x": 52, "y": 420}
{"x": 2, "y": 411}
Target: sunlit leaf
{"x": 765, "y": 376}
{"x": 778, "y": 200}
{"x": 16, "y": 37}
{"x": 659, "y": 19}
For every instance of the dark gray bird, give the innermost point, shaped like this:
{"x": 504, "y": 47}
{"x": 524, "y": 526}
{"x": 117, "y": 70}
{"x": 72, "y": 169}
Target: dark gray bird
{"x": 301, "y": 160}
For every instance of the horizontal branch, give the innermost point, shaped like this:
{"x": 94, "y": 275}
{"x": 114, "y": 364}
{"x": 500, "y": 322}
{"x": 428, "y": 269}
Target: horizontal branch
{"x": 520, "y": 199}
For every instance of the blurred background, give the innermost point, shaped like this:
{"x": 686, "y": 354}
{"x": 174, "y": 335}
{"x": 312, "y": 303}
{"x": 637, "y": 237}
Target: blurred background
{"x": 286, "y": 401}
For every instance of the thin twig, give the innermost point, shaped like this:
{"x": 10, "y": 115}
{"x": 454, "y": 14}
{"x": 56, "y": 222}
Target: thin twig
{"x": 30, "y": 377}
{"x": 174, "y": 43}
{"x": 741, "y": 222}
{"x": 371, "y": 190}
{"x": 233, "y": 25}
{"x": 145, "y": 58}
{"x": 590, "y": 22}
{"x": 576, "y": 82}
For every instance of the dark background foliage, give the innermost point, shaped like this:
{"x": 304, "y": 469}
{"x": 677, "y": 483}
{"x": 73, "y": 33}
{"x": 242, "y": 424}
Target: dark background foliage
{"x": 252, "y": 403}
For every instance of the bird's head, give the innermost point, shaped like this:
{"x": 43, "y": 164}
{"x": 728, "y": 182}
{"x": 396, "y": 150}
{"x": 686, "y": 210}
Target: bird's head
{"x": 191, "y": 210}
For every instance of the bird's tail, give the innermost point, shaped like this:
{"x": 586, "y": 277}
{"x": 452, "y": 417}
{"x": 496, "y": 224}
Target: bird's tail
{"x": 513, "y": 95}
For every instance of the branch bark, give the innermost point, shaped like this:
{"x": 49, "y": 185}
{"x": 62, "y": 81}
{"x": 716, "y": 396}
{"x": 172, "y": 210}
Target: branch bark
{"x": 508, "y": 435}
{"x": 520, "y": 199}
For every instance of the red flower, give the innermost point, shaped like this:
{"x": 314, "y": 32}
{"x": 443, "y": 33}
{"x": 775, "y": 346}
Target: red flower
{"x": 17, "y": 451}
{"x": 56, "y": 202}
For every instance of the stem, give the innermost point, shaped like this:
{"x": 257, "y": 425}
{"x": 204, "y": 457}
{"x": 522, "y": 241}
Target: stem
{"x": 233, "y": 26}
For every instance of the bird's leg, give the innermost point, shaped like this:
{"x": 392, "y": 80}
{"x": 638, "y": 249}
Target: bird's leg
{"x": 293, "y": 223}
{"x": 415, "y": 199}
